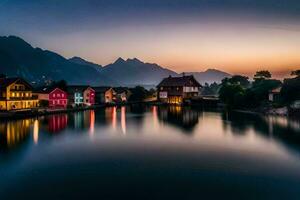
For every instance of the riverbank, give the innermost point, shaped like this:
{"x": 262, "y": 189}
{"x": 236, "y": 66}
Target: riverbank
{"x": 36, "y": 112}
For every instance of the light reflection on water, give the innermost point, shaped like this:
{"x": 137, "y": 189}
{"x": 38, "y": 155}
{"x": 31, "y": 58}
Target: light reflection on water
{"x": 174, "y": 141}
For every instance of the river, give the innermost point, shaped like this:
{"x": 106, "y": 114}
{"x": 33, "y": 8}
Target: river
{"x": 150, "y": 152}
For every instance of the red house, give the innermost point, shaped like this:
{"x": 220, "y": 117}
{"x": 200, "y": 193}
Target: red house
{"x": 89, "y": 96}
{"x": 52, "y": 97}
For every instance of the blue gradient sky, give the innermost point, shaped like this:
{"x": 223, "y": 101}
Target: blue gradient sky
{"x": 238, "y": 36}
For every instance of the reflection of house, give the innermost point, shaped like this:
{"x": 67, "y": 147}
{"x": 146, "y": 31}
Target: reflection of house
{"x": 104, "y": 95}
{"x": 53, "y": 97}
{"x": 122, "y": 94}
{"x": 13, "y": 133}
{"x": 16, "y": 93}
{"x": 57, "y": 123}
{"x": 174, "y": 90}
{"x": 81, "y": 95}
{"x": 274, "y": 94}
{"x": 179, "y": 116}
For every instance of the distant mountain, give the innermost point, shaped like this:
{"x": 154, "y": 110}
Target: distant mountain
{"x": 18, "y": 58}
{"x": 136, "y": 72}
{"x": 81, "y": 61}
{"x": 209, "y": 76}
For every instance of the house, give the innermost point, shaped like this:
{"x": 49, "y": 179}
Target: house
{"x": 122, "y": 94}
{"x": 16, "y": 94}
{"x": 80, "y": 95}
{"x": 53, "y": 97}
{"x": 104, "y": 95}
{"x": 274, "y": 94}
{"x": 89, "y": 96}
{"x": 176, "y": 90}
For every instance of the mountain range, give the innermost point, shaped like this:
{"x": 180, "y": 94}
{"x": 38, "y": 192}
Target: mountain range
{"x": 19, "y": 58}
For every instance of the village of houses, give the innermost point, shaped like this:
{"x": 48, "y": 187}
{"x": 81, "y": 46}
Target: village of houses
{"x": 16, "y": 94}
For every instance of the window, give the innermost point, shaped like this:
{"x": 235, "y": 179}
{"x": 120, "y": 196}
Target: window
{"x": 26, "y": 94}
{"x": 53, "y": 95}
{"x": 63, "y": 95}
{"x": 13, "y": 94}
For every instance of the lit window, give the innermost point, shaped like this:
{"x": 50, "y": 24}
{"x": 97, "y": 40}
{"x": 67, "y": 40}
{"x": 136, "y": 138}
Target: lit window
{"x": 58, "y": 95}
{"x": 63, "y": 95}
{"x": 27, "y": 94}
{"x": 53, "y": 95}
{"x": 13, "y": 94}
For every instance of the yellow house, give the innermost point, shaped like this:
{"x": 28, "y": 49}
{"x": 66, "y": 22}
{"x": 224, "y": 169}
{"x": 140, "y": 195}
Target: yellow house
{"x": 16, "y": 94}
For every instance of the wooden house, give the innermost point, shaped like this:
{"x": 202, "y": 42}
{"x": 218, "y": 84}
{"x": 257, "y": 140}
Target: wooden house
{"x": 89, "y": 96}
{"x": 175, "y": 90}
{"x": 16, "y": 94}
{"x": 52, "y": 97}
{"x": 274, "y": 94}
{"x": 81, "y": 95}
{"x": 122, "y": 94}
{"x": 104, "y": 95}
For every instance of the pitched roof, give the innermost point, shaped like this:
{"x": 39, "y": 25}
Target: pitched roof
{"x": 276, "y": 90}
{"x": 46, "y": 89}
{"x": 5, "y": 82}
{"x": 101, "y": 88}
{"x": 179, "y": 81}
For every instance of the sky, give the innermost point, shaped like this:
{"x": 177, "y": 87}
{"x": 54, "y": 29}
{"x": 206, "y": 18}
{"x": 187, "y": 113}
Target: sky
{"x": 236, "y": 36}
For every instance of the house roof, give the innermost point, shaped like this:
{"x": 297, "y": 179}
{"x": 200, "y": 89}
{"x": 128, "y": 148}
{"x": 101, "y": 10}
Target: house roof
{"x": 179, "y": 81}
{"x": 102, "y": 88}
{"x": 276, "y": 90}
{"x": 46, "y": 90}
{"x": 5, "y": 82}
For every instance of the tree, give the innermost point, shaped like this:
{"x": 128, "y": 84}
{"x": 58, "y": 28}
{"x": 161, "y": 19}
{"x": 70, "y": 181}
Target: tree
{"x": 296, "y": 73}
{"x": 211, "y": 89}
{"x": 138, "y": 94}
{"x": 259, "y": 91}
{"x": 240, "y": 80}
{"x": 232, "y": 95}
{"x": 262, "y": 75}
{"x": 290, "y": 90}
{"x": 62, "y": 84}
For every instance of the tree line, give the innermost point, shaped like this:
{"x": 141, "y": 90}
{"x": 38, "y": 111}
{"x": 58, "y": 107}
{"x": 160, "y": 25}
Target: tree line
{"x": 239, "y": 92}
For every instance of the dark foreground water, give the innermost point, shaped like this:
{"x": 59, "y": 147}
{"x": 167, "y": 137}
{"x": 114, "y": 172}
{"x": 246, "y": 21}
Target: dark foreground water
{"x": 150, "y": 153}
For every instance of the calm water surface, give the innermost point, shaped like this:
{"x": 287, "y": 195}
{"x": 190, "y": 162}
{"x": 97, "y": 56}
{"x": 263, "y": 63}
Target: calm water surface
{"x": 150, "y": 153}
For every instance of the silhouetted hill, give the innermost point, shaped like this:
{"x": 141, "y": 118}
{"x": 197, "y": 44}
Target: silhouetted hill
{"x": 209, "y": 76}
{"x": 81, "y": 61}
{"x": 18, "y": 58}
{"x": 136, "y": 72}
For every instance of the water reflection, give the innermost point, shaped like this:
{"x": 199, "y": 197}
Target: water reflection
{"x": 92, "y": 123}
{"x": 182, "y": 117}
{"x": 57, "y": 123}
{"x": 14, "y": 133}
{"x": 36, "y": 131}
{"x": 123, "y": 119}
{"x": 134, "y": 119}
